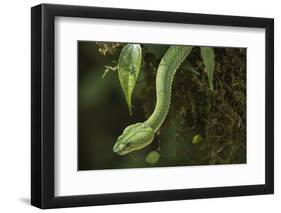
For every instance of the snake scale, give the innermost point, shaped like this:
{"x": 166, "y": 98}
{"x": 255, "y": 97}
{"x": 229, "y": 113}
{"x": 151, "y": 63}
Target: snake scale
{"x": 139, "y": 135}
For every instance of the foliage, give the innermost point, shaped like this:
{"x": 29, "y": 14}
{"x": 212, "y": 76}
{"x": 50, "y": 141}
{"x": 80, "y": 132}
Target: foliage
{"x": 128, "y": 70}
{"x": 208, "y": 57}
{"x": 157, "y": 50}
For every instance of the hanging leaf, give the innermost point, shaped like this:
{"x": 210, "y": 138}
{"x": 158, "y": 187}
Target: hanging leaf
{"x": 128, "y": 70}
{"x": 152, "y": 157}
{"x": 191, "y": 68}
{"x": 208, "y": 57}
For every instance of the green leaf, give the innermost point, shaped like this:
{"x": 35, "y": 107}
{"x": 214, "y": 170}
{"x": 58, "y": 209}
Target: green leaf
{"x": 208, "y": 57}
{"x": 191, "y": 68}
{"x": 197, "y": 139}
{"x": 153, "y": 157}
{"x": 128, "y": 70}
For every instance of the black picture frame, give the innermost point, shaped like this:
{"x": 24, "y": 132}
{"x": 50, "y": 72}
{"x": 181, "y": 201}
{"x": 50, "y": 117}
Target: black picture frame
{"x": 43, "y": 102}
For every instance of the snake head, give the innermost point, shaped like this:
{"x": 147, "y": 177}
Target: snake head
{"x": 134, "y": 137}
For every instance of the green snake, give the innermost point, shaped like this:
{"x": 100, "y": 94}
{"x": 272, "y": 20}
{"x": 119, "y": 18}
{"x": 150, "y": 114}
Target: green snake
{"x": 139, "y": 135}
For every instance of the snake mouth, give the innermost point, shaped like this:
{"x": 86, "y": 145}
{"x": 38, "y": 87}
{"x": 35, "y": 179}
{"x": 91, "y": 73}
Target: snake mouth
{"x": 118, "y": 149}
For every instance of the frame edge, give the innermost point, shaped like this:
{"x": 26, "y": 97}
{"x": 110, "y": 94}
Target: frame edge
{"x": 269, "y": 112}
{"x": 36, "y": 60}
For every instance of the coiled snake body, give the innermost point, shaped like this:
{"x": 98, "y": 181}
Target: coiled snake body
{"x": 139, "y": 135}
